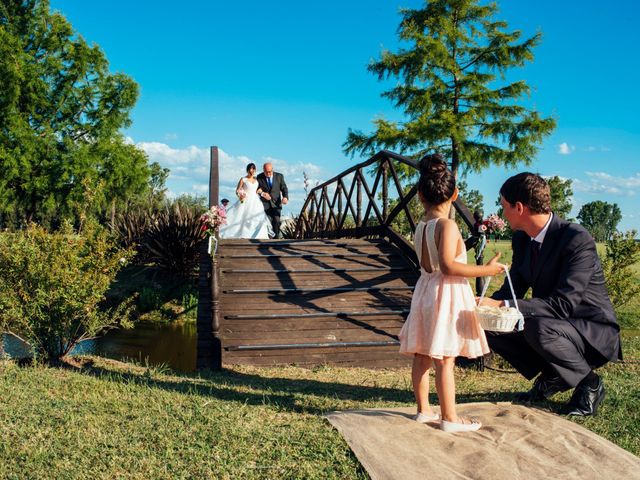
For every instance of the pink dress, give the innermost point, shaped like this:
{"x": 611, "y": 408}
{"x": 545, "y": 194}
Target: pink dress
{"x": 442, "y": 321}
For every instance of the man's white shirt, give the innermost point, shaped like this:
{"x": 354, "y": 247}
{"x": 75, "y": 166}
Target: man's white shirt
{"x": 538, "y": 238}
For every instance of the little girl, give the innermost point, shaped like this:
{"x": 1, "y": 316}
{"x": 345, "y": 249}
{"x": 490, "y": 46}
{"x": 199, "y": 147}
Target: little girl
{"x": 442, "y": 324}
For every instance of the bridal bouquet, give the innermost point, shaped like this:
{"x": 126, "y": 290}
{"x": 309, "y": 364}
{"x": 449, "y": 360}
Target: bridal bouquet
{"x": 211, "y": 220}
{"x": 493, "y": 225}
{"x": 241, "y": 194}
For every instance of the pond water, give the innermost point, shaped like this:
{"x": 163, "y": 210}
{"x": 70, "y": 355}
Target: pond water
{"x": 171, "y": 344}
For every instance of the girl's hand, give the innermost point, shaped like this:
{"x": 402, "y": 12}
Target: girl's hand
{"x": 495, "y": 268}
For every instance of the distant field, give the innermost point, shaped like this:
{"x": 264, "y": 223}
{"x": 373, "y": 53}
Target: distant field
{"x": 628, "y": 316}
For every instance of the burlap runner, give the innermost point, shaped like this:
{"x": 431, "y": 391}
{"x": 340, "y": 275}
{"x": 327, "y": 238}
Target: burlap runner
{"x": 516, "y": 442}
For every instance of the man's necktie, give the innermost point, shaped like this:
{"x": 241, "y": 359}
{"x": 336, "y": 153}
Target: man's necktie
{"x": 269, "y": 180}
{"x": 535, "y": 251}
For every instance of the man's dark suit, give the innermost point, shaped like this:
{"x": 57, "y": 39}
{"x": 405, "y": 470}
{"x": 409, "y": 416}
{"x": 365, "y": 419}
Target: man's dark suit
{"x": 278, "y": 190}
{"x": 570, "y": 325}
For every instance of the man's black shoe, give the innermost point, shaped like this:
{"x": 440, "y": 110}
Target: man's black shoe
{"x": 542, "y": 389}
{"x": 585, "y": 400}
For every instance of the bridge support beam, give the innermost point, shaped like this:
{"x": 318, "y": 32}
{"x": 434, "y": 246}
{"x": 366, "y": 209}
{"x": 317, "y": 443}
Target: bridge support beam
{"x": 209, "y": 346}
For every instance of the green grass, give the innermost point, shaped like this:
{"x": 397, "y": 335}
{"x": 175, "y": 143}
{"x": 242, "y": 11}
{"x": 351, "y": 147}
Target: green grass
{"x": 103, "y": 419}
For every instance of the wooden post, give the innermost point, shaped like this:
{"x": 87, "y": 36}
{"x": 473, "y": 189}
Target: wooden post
{"x": 204, "y": 327}
{"x": 209, "y": 346}
{"x": 358, "y": 200}
{"x": 339, "y": 218}
{"x": 480, "y": 362}
{"x": 323, "y": 200}
{"x": 214, "y": 177}
{"x": 312, "y": 215}
{"x": 300, "y": 222}
{"x": 385, "y": 193}
{"x": 480, "y": 261}
{"x": 480, "y": 280}
{"x": 215, "y": 309}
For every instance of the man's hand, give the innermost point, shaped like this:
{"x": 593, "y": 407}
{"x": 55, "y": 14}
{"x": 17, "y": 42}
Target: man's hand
{"x": 285, "y": 200}
{"x": 266, "y": 196}
{"x": 489, "y": 302}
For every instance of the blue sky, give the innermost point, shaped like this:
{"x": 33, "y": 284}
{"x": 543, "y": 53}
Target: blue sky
{"x": 284, "y": 80}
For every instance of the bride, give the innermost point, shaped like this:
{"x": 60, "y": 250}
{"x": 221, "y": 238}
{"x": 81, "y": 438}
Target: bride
{"x": 246, "y": 218}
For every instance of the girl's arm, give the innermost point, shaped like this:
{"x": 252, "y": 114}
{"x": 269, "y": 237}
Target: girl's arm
{"x": 239, "y": 184}
{"x": 447, "y": 247}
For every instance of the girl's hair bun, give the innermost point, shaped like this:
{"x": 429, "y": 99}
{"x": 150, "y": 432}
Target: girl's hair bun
{"x": 432, "y": 164}
{"x": 437, "y": 184}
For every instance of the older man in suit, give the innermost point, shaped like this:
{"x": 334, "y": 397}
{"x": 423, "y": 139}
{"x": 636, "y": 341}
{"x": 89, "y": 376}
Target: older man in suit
{"x": 273, "y": 193}
{"x": 570, "y": 327}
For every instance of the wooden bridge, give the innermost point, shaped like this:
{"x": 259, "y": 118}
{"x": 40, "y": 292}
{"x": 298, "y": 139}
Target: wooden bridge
{"x": 337, "y": 293}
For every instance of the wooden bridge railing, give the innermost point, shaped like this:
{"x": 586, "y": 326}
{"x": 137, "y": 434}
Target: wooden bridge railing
{"x": 350, "y": 205}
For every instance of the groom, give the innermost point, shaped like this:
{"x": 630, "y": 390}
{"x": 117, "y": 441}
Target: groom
{"x": 570, "y": 327}
{"x": 274, "y": 194}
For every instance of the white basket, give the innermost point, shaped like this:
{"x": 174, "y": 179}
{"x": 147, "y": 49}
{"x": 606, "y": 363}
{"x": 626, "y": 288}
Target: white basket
{"x": 500, "y": 319}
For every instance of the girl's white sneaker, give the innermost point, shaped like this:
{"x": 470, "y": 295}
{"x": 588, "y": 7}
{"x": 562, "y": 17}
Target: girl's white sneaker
{"x": 422, "y": 418}
{"x": 453, "y": 427}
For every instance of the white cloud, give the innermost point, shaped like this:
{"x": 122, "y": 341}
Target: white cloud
{"x": 601, "y": 182}
{"x": 601, "y": 148}
{"x": 200, "y": 188}
{"x": 190, "y": 171}
{"x": 625, "y": 182}
{"x": 565, "y": 149}
{"x": 171, "y": 157}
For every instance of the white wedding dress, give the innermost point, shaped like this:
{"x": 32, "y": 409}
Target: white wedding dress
{"x": 247, "y": 219}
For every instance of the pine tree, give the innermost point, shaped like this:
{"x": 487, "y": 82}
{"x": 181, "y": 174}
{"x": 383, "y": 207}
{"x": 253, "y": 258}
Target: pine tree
{"x": 453, "y": 92}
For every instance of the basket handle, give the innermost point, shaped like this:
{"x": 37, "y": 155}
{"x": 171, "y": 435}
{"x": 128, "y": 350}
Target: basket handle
{"x": 520, "y": 326}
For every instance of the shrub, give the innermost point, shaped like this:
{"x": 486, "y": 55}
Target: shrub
{"x": 52, "y": 287}
{"x": 130, "y": 228}
{"x": 149, "y": 299}
{"x": 172, "y": 240}
{"x": 189, "y": 304}
{"x": 288, "y": 227}
{"x": 622, "y": 251}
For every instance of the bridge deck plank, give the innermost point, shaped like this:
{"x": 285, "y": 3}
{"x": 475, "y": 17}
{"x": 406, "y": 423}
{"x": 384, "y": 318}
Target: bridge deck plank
{"x": 381, "y": 279}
